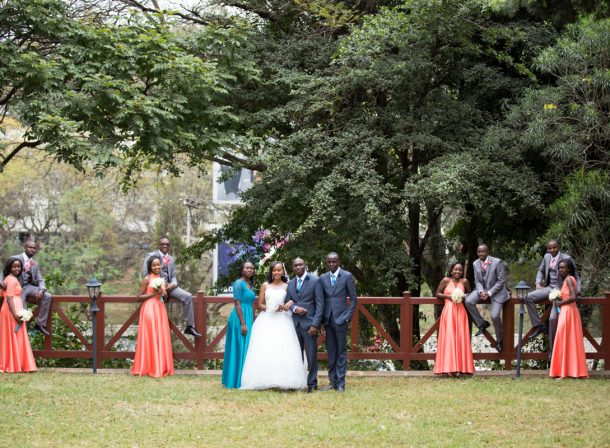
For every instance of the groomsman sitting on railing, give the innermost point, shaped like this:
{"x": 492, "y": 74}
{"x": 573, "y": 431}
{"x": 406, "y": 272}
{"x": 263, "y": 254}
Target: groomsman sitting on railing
{"x": 168, "y": 272}
{"x": 489, "y": 288}
{"x": 33, "y": 287}
{"x": 547, "y": 279}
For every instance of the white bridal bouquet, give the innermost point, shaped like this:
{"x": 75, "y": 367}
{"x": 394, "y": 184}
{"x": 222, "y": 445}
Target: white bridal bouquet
{"x": 554, "y": 297}
{"x": 457, "y": 295}
{"x": 157, "y": 284}
{"x": 25, "y": 315}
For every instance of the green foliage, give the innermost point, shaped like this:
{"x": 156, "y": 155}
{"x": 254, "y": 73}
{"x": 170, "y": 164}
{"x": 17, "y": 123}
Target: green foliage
{"x": 563, "y": 125}
{"x": 129, "y": 95}
{"x": 581, "y": 219}
{"x": 64, "y": 338}
{"x": 378, "y": 135}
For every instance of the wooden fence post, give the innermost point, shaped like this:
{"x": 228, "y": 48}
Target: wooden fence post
{"x": 101, "y": 330}
{"x": 406, "y": 329}
{"x": 508, "y": 322}
{"x": 606, "y": 331}
{"x": 201, "y": 317}
{"x": 355, "y": 330}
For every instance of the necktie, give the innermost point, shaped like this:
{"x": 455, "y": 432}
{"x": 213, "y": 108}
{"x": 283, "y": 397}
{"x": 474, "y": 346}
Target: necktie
{"x": 552, "y": 263}
{"x": 484, "y": 265}
{"x": 28, "y": 263}
{"x": 333, "y": 279}
{"x": 166, "y": 260}
{"x": 299, "y": 284}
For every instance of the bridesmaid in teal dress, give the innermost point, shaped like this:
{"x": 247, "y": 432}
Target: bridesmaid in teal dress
{"x": 238, "y": 328}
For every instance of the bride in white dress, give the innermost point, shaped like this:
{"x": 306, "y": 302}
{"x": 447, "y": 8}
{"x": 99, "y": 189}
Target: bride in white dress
{"x": 274, "y": 358}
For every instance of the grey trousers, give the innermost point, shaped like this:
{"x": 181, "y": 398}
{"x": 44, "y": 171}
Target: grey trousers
{"x": 44, "y": 304}
{"x": 496, "y": 310}
{"x": 531, "y": 300}
{"x": 186, "y": 298}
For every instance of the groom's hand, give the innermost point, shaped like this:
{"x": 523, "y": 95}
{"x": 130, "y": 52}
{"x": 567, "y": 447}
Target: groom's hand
{"x": 313, "y": 331}
{"x": 300, "y": 310}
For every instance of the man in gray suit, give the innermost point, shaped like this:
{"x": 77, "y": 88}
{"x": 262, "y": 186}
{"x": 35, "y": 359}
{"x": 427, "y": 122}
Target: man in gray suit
{"x": 337, "y": 284}
{"x": 547, "y": 279}
{"x": 489, "y": 288}
{"x": 33, "y": 287}
{"x": 168, "y": 272}
{"x": 305, "y": 299}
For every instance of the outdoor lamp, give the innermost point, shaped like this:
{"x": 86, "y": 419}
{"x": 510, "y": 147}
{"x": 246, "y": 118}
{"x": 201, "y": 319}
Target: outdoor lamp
{"x": 93, "y": 286}
{"x": 522, "y": 290}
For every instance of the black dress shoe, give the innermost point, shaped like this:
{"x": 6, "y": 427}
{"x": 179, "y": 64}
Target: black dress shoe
{"x": 325, "y": 388}
{"x": 340, "y": 389}
{"x": 500, "y": 346}
{"x": 42, "y": 329}
{"x": 539, "y": 330}
{"x": 191, "y": 330}
{"x": 311, "y": 389}
{"x": 482, "y": 328}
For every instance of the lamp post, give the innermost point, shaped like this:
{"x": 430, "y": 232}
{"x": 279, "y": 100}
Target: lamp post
{"x": 522, "y": 290}
{"x": 93, "y": 286}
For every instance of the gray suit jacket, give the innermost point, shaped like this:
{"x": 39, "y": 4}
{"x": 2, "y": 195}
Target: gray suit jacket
{"x": 167, "y": 272}
{"x": 545, "y": 266}
{"x": 311, "y": 298}
{"x": 335, "y": 297}
{"x": 34, "y": 277}
{"x": 493, "y": 281}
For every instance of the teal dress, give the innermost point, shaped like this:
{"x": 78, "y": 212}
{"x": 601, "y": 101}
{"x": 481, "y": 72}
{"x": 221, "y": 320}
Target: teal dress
{"x": 236, "y": 344}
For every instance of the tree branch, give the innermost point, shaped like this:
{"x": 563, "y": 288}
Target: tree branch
{"x": 15, "y": 151}
{"x": 424, "y": 240}
{"x": 259, "y": 12}
{"x": 146, "y": 9}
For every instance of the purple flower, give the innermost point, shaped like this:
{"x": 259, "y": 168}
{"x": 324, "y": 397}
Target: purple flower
{"x": 260, "y": 235}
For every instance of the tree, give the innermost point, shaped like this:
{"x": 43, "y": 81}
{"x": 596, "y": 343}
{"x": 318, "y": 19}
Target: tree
{"x": 565, "y": 120}
{"x": 131, "y": 94}
{"x": 379, "y": 136}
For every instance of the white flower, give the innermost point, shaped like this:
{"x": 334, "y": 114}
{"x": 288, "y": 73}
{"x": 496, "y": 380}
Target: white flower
{"x": 25, "y": 315}
{"x": 457, "y": 295}
{"x": 157, "y": 283}
{"x": 555, "y": 294}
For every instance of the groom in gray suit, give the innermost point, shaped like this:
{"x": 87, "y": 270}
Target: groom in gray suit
{"x": 547, "y": 279}
{"x": 338, "y": 284}
{"x": 33, "y": 287}
{"x": 489, "y": 288}
{"x": 305, "y": 299}
{"x": 168, "y": 272}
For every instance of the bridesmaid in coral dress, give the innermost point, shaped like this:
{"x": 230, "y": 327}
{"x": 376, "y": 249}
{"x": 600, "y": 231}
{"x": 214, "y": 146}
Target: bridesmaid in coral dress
{"x": 154, "y": 345}
{"x": 15, "y": 350}
{"x": 454, "y": 352}
{"x": 569, "y": 349}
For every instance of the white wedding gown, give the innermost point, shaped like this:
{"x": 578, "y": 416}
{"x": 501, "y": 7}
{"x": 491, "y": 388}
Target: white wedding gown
{"x": 274, "y": 357}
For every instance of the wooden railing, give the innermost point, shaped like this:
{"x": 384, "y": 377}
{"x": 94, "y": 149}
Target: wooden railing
{"x": 405, "y": 349}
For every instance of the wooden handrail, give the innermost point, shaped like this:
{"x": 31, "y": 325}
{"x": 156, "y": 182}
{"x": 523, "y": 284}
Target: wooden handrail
{"x": 405, "y": 349}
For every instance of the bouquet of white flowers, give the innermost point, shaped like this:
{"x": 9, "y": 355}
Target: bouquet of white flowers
{"x": 157, "y": 283}
{"x": 457, "y": 295}
{"x": 554, "y": 297}
{"x": 25, "y": 315}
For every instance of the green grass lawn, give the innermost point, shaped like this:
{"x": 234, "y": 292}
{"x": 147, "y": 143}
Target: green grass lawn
{"x": 82, "y": 410}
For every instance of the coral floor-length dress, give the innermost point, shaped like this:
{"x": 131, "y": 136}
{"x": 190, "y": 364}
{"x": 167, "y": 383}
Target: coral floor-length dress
{"x": 569, "y": 358}
{"x": 15, "y": 350}
{"x": 154, "y": 345}
{"x": 454, "y": 352}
